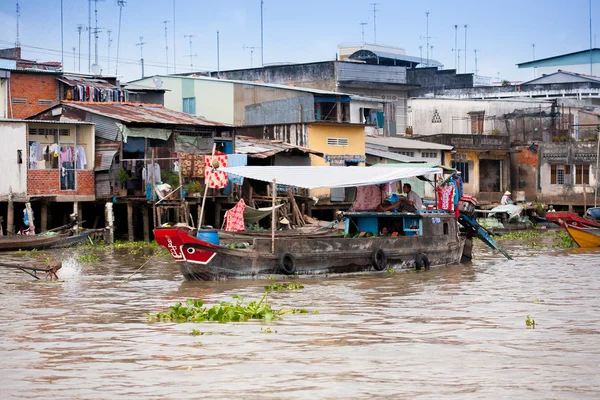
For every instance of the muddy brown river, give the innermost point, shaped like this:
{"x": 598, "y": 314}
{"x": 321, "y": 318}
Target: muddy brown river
{"x": 456, "y": 332}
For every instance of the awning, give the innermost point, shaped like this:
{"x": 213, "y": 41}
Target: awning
{"x": 413, "y": 164}
{"x": 329, "y": 177}
{"x": 150, "y": 133}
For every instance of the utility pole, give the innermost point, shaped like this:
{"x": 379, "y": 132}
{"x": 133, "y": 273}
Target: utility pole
{"x": 533, "y": 47}
{"x": 121, "y": 4}
{"x": 262, "y": 42}
{"x": 191, "y": 56}
{"x": 465, "y": 48}
{"x": 79, "y": 29}
{"x": 475, "y": 51}
{"x": 166, "y": 46}
{"x": 455, "y": 47}
{"x": 174, "y": 41}
{"x": 427, "y": 37}
{"x": 108, "y": 32}
{"x": 375, "y": 22}
{"x": 141, "y": 44}
{"x": 362, "y": 27}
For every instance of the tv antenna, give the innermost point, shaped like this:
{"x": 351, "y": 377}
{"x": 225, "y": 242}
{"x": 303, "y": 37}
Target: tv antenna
{"x": 141, "y": 45}
{"x": 421, "y": 52}
{"x": 475, "y": 51}
{"x": 465, "y": 48}
{"x": 120, "y": 4}
{"x": 375, "y": 22}
{"x": 166, "y": 45}
{"x": 191, "y": 56}
{"x": 362, "y": 27}
{"x": 108, "y": 32}
{"x": 17, "y": 41}
{"x": 457, "y": 51}
{"x": 96, "y": 31}
{"x": 74, "y": 59}
{"x": 251, "y": 48}
{"x": 80, "y": 28}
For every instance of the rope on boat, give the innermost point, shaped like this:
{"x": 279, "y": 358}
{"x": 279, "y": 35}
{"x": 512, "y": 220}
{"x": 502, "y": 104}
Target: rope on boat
{"x": 136, "y": 271}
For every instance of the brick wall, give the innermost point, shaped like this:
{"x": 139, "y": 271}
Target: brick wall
{"x": 46, "y": 182}
{"x": 32, "y": 87}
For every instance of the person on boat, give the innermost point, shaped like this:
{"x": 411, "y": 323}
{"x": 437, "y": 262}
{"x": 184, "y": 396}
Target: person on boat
{"x": 551, "y": 209}
{"x": 506, "y": 198}
{"x": 411, "y": 203}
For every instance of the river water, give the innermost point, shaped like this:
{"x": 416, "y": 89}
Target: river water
{"x": 456, "y": 332}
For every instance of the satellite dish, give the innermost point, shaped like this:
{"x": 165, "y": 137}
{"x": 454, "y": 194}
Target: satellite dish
{"x": 96, "y": 69}
{"x": 157, "y": 81}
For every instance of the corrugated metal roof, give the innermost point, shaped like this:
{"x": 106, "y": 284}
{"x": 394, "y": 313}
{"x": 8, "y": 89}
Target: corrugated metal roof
{"x": 104, "y": 159}
{"x": 403, "y": 143}
{"x": 141, "y": 113}
{"x": 389, "y": 155}
{"x": 562, "y": 77}
{"x": 263, "y": 148}
{"x": 563, "y": 59}
{"x": 40, "y": 121}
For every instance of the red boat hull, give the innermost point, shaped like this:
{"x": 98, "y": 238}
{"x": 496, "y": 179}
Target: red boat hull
{"x": 585, "y": 232}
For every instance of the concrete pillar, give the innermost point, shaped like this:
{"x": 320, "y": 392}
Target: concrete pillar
{"x": 10, "y": 216}
{"x": 110, "y": 221}
{"x": 44, "y": 217}
{"x": 146, "y": 224}
{"x": 130, "y": 235}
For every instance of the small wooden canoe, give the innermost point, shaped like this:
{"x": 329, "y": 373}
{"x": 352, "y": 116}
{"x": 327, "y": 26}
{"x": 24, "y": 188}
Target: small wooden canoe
{"x": 39, "y": 242}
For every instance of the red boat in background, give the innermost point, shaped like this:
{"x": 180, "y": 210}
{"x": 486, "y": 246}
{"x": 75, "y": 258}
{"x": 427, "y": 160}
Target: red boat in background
{"x": 585, "y": 232}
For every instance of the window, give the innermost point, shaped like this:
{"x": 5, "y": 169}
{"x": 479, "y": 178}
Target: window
{"x": 582, "y": 174}
{"x": 189, "y": 105}
{"x": 477, "y": 118}
{"x": 560, "y": 174}
{"x": 337, "y": 141}
{"x": 463, "y": 168}
{"x": 405, "y": 153}
{"x": 428, "y": 154}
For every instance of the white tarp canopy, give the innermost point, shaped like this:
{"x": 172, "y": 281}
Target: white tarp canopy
{"x": 329, "y": 177}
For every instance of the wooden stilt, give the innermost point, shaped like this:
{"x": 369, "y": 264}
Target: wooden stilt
{"x": 110, "y": 221}
{"x": 130, "y": 235}
{"x": 217, "y": 215}
{"x": 273, "y": 219}
{"x": 146, "y": 224}
{"x": 44, "y": 217}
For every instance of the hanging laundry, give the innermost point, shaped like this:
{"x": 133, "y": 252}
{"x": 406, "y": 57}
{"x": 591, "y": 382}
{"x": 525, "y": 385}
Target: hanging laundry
{"x": 367, "y": 198}
{"x": 80, "y": 157}
{"x": 445, "y": 197}
{"x": 234, "y": 218}
{"x": 215, "y": 179}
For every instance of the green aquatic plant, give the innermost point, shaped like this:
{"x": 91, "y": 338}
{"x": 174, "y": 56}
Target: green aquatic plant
{"x": 226, "y": 311}
{"x": 391, "y": 271}
{"x": 565, "y": 240}
{"x": 521, "y": 235}
{"x": 284, "y": 286}
{"x": 87, "y": 258}
{"x": 538, "y": 301}
{"x": 530, "y": 322}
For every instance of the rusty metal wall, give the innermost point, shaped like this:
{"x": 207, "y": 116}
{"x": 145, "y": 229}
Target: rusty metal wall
{"x": 244, "y": 95}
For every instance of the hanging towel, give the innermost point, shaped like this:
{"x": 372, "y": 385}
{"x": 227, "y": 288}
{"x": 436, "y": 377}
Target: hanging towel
{"x": 367, "y": 198}
{"x": 237, "y": 160}
{"x": 216, "y": 179}
{"x": 234, "y": 218}
{"x": 445, "y": 197}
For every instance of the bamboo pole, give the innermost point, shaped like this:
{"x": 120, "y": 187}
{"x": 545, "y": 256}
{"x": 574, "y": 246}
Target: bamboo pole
{"x": 201, "y": 211}
{"x": 273, "y": 222}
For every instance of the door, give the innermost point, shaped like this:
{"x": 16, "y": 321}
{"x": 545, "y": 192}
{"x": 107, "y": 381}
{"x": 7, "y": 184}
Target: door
{"x": 490, "y": 175}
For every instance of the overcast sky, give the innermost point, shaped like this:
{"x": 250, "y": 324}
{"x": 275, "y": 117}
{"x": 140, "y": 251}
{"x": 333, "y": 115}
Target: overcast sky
{"x": 300, "y": 31}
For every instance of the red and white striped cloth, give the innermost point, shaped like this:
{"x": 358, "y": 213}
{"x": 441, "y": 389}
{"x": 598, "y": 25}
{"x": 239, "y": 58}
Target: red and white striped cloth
{"x": 234, "y": 218}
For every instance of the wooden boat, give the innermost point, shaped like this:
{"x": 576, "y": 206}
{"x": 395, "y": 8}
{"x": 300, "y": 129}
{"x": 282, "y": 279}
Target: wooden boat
{"x": 39, "y": 242}
{"x": 409, "y": 240}
{"x": 585, "y": 232}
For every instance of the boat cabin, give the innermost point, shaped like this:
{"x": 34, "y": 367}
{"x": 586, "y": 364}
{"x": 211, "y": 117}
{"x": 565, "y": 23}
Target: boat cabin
{"x": 425, "y": 222}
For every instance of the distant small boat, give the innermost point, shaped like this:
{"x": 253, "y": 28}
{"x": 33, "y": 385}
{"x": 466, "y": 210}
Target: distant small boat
{"x": 39, "y": 242}
{"x": 585, "y": 232}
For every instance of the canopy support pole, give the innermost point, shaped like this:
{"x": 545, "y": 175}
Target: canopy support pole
{"x": 201, "y": 212}
{"x": 273, "y": 223}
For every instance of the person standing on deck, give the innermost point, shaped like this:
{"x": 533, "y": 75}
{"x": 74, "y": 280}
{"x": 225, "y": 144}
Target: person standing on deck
{"x": 506, "y": 198}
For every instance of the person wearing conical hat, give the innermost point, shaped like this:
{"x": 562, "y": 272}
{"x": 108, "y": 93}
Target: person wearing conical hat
{"x": 506, "y": 198}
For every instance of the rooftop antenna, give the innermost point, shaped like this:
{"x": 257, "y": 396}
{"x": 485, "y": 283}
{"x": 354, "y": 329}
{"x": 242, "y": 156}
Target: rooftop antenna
{"x": 218, "y": 58}
{"x": 465, "y": 48}
{"x": 251, "y": 53}
{"x": 375, "y": 22}
{"x": 427, "y": 36}
{"x": 174, "y": 40}
{"x": 457, "y": 51}
{"x": 421, "y": 51}
{"x": 191, "y": 56}
{"x": 120, "y": 4}
{"x": 62, "y": 37}
{"x": 108, "y": 32}
{"x": 166, "y": 45}
{"x": 74, "y": 58}
{"x": 262, "y": 42}
{"x": 533, "y": 47}
{"x": 141, "y": 44}
{"x": 591, "y": 64}
{"x": 475, "y": 51}
{"x": 79, "y": 30}
{"x": 89, "y": 29}
{"x": 362, "y": 26}
{"x": 96, "y": 31}
{"x": 431, "y": 47}
{"x": 17, "y": 41}
{"x": 455, "y": 47}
